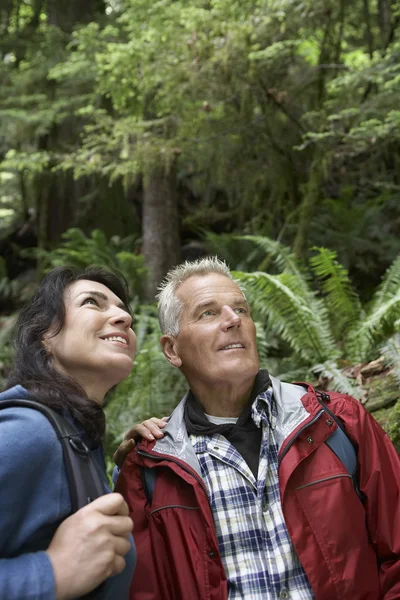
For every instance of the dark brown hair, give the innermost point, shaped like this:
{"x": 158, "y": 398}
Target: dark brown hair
{"x": 33, "y": 366}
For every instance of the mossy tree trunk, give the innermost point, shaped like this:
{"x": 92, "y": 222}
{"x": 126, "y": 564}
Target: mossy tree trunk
{"x": 65, "y": 14}
{"x": 160, "y": 227}
{"x": 57, "y": 193}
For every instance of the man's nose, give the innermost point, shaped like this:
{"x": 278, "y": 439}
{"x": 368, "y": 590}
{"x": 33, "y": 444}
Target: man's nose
{"x": 229, "y": 318}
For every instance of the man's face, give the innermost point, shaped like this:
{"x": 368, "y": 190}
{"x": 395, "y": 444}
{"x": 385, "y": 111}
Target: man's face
{"x": 216, "y": 343}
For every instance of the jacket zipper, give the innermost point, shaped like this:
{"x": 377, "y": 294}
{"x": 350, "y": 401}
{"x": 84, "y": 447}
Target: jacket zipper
{"x": 291, "y": 442}
{"x": 188, "y": 470}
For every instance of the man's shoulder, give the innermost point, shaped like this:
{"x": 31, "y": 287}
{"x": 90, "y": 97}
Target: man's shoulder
{"x": 342, "y": 400}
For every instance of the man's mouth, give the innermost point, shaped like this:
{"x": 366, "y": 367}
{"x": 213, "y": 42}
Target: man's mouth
{"x": 232, "y": 346}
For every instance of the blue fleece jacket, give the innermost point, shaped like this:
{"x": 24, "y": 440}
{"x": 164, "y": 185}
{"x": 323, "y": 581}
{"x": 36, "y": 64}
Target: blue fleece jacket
{"x": 34, "y": 499}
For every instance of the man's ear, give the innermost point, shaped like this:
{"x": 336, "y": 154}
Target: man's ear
{"x": 170, "y": 350}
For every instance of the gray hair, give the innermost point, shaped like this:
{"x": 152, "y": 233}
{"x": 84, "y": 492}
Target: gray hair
{"x": 169, "y": 306}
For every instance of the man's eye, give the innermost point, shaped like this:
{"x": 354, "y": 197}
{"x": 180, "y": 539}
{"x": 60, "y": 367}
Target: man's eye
{"x": 240, "y": 310}
{"x": 90, "y": 300}
{"x": 206, "y": 313}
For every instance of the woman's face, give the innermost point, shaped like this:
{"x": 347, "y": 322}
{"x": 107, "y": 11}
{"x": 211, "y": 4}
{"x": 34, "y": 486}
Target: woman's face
{"x": 96, "y": 345}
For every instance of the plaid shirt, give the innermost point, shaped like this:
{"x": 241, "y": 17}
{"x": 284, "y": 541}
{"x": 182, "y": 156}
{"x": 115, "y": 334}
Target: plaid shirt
{"x": 257, "y": 553}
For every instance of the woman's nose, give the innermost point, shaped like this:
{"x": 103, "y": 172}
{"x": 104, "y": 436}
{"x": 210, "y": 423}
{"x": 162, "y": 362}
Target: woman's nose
{"x": 121, "y": 316}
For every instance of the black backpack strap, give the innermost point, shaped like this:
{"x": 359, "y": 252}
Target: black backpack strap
{"x": 341, "y": 445}
{"x": 85, "y": 481}
{"x": 148, "y": 477}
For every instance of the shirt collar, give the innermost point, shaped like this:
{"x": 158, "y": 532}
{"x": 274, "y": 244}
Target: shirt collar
{"x": 264, "y": 408}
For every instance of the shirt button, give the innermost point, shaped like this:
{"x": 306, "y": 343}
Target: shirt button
{"x": 212, "y": 554}
{"x": 310, "y": 441}
{"x": 284, "y": 595}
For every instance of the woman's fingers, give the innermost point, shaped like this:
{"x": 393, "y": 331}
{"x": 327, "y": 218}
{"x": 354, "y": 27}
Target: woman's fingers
{"x": 89, "y": 546}
{"x": 149, "y": 429}
{"x": 121, "y": 527}
{"x": 119, "y": 565}
{"x": 122, "y": 451}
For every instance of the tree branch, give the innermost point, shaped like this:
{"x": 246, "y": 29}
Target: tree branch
{"x": 368, "y": 30}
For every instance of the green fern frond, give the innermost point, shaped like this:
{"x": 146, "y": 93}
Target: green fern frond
{"x": 337, "y": 380}
{"x": 79, "y": 250}
{"x": 237, "y": 251}
{"x": 146, "y": 327}
{"x": 389, "y": 286}
{"x": 291, "y": 375}
{"x": 283, "y": 258}
{"x": 262, "y": 342}
{"x": 304, "y": 326}
{"x": 342, "y": 301}
{"x": 391, "y": 354}
{"x": 379, "y": 323}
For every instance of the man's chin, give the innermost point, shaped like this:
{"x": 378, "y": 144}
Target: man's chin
{"x": 240, "y": 371}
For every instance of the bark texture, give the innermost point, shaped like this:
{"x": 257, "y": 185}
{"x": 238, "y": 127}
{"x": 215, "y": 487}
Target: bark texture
{"x": 160, "y": 227}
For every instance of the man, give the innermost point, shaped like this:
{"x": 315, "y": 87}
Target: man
{"x": 249, "y": 501}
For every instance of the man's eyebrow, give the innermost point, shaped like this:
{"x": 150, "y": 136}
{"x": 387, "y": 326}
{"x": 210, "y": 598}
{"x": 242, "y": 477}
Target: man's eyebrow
{"x": 210, "y": 303}
{"x": 240, "y": 301}
{"x": 103, "y": 297}
{"x": 203, "y": 305}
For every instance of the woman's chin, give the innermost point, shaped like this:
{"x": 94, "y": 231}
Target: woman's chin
{"x": 120, "y": 370}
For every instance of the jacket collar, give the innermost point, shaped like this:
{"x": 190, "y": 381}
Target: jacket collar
{"x": 290, "y": 413}
{"x": 290, "y": 409}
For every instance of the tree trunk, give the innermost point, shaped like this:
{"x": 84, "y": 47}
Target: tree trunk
{"x": 385, "y": 20}
{"x": 312, "y": 192}
{"x": 65, "y": 14}
{"x": 160, "y": 227}
{"x": 368, "y": 29}
{"x": 57, "y": 193}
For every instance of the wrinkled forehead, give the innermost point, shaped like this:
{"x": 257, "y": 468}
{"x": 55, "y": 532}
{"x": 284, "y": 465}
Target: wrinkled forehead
{"x": 211, "y": 288}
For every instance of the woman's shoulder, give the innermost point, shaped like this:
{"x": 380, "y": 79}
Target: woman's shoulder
{"x": 24, "y": 429}
{"x": 34, "y": 491}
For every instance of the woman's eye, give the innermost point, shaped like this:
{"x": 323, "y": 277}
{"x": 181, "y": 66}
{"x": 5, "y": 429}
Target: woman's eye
{"x": 90, "y": 300}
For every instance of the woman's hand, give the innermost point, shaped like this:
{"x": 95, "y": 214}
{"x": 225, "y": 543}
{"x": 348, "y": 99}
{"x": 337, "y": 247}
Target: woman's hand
{"x": 149, "y": 430}
{"x": 90, "y": 546}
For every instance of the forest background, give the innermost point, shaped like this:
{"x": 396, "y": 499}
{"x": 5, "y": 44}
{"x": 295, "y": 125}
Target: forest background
{"x": 138, "y": 133}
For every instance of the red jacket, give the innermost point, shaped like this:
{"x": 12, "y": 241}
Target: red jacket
{"x": 348, "y": 550}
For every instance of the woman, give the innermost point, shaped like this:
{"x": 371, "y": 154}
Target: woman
{"x": 74, "y": 341}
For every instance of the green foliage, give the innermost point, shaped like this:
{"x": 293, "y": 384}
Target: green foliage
{"x": 391, "y": 354}
{"x": 154, "y": 387}
{"x": 271, "y": 112}
{"x": 381, "y": 318}
{"x": 9, "y": 291}
{"x": 80, "y": 251}
{"x": 13, "y": 292}
{"x": 342, "y": 301}
{"x": 304, "y": 327}
{"x": 394, "y": 426}
{"x": 6, "y": 352}
{"x": 319, "y": 326}
{"x": 281, "y": 120}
